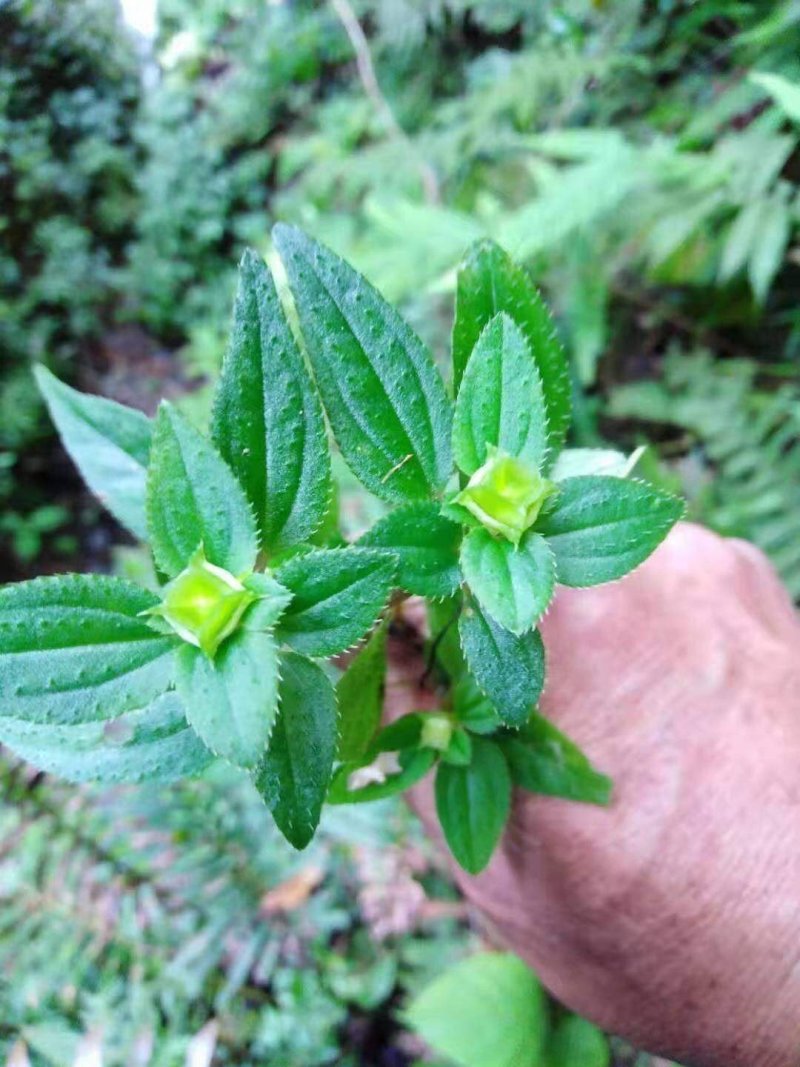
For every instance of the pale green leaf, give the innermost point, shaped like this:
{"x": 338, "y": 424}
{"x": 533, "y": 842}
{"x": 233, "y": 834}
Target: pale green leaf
{"x": 514, "y": 584}
{"x": 425, "y": 545}
{"x": 359, "y": 694}
{"x": 473, "y": 803}
{"x": 608, "y": 461}
{"x": 784, "y": 92}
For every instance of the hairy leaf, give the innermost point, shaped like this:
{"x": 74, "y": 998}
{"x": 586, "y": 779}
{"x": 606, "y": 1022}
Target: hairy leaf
{"x": 490, "y": 282}
{"x": 359, "y": 694}
{"x": 267, "y": 422}
{"x": 425, "y": 545}
{"x": 294, "y": 775}
{"x": 514, "y": 584}
{"x": 108, "y": 443}
{"x": 154, "y": 743}
{"x": 543, "y": 760}
{"x": 73, "y": 649}
{"x": 509, "y": 668}
{"x": 500, "y": 402}
{"x": 232, "y": 700}
{"x": 338, "y": 593}
{"x": 194, "y": 499}
{"x": 384, "y": 397}
{"x": 601, "y": 528}
{"x": 473, "y": 804}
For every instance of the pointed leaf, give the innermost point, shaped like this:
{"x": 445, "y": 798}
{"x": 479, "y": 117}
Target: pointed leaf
{"x": 500, "y": 402}
{"x": 385, "y": 399}
{"x": 73, "y": 649}
{"x": 108, "y": 443}
{"x": 473, "y": 804}
{"x": 154, "y": 743}
{"x": 425, "y": 545}
{"x": 193, "y": 499}
{"x": 489, "y": 282}
{"x": 514, "y": 584}
{"x": 601, "y": 528}
{"x": 543, "y": 760}
{"x": 231, "y": 701}
{"x": 267, "y": 421}
{"x": 509, "y": 668}
{"x": 338, "y": 594}
{"x": 294, "y": 776}
{"x": 359, "y": 694}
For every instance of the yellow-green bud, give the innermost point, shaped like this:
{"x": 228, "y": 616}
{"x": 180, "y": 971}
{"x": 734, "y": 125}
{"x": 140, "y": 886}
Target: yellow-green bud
{"x": 204, "y": 604}
{"x": 436, "y": 732}
{"x": 506, "y": 495}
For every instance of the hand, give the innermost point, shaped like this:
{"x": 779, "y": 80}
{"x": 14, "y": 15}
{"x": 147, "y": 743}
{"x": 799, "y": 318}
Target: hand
{"x": 672, "y": 917}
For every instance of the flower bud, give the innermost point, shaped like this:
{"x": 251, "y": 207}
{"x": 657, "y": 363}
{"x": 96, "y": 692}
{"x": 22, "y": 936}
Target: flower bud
{"x": 437, "y": 731}
{"x": 506, "y": 495}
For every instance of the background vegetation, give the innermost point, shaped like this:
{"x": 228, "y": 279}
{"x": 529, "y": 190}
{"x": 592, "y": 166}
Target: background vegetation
{"x": 641, "y": 156}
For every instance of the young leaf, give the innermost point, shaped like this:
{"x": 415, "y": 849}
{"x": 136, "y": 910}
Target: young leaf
{"x": 231, "y": 701}
{"x": 500, "y": 402}
{"x": 413, "y": 768}
{"x": 425, "y": 545}
{"x": 154, "y": 743}
{"x": 73, "y": 649}
{"x": 509, "y": 668}
{"x": 514, "y": 584}
{"x": 543, "y": 760}
{"x": 601, "y": 528}
{"x": 107, "y": 442}
{"x": 193, "y": 499}
{"x": 338, "y": 593}
{"x": 473, "y": 804}
{"x": 294, "y": 775}
{"x": 575, "y": 1042}
{"x": 486, "y": 1011}
{"x": 489, "y": 282}
{"x": 267, "y": 422}
{"x": 359, "y": 694}
{"x": 385, "y": 400}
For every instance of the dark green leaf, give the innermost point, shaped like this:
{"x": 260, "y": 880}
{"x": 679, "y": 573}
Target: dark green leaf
{"x": 413, "y": 768}
{"x": 193, "y": 499}
{"x": 473, "y": 804}
{"x": 487, "y": 1011}
{"x": 153, "y": 743}
{"x": 294, "y": 776}
{"x": 473, "y": 710}
{"x": 459, "y": 751}
{"x": 231, "y": 701}
{"x": 489, "y": 282}
{"x": 338, "y": 594}
{"x": 500, "y": 402}
{"x": 575, "y": 1042}
{"x": 384, "y": 397}
{"x": 509, "y": 668}
{"x": 108, "y": 443}
{"x": 268, "y": 423}
{"x": 543, "y": 760}
{"x": 601, "y": 528}
{"x": 443, "y": 627}
{"x": 73, "y": 649}
{"x": 514, "y": 584}
{"x": 359, "y": 694}
{"x": 426, "y": 546}
{"x": 404, "y": 732}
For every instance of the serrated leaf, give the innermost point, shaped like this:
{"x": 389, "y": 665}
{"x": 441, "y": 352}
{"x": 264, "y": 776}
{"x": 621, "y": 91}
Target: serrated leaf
{"x": 509, "y": 668}
{"x": 575, "y": 1042}
{"x": 385, "y": 400}
{"x": 359, "y": 694}
{"x": 338, "y": 593}
{"x": 154, "y": 743}
{"x": 473, "y": 804}
{"x": 267, "y": 421}
{"x": 514, "y": 584}
{"x": 73, "y": 649}
{"x": 425, "y": 544}
{"x": 231, "y": 701}
{"x": 541, "y": 759}
{"x": 413, "y": 768}
{"x": 108, "y": 443}
{"x": 194, "y": 499}
{"x": 296, "y": 771}
{"x": 272, "y": 602}
{"x": 500, "y": 402}
{"x": 487, "y": 1011}
{"x": 490, "y": 282}
{"x": 600, "y": 528}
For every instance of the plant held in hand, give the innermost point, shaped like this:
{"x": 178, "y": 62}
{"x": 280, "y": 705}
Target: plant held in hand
{"x": 102, "y": 679}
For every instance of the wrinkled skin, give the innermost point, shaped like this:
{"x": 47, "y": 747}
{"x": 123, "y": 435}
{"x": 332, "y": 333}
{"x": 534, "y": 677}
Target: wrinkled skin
{"x": 672, "y": 917}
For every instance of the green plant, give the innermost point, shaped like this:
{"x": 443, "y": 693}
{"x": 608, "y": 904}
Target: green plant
{"x": 102, "y": 678}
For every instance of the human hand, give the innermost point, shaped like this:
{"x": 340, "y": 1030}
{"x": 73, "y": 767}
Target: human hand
{"x": 672, "y": 917}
